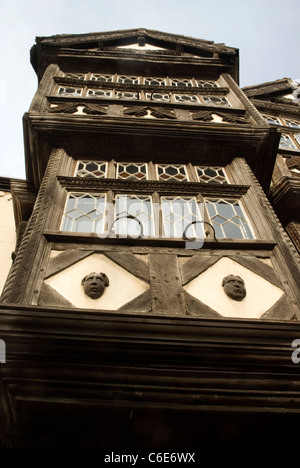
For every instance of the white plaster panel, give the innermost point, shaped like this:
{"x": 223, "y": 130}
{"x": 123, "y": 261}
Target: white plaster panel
{"x": 207, "y": 287}
{"x": 217, "y": 118}
{"x": 267, "y": 261}
{"x": 55, "y": 253}
{"x": 123, "y": 286}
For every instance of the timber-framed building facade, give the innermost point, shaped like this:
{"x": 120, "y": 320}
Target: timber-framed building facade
{"x": 154, "y": 293}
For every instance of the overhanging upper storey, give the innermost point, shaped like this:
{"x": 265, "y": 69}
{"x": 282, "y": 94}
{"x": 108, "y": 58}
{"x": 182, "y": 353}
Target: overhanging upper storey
{"x": 140, "y": 93}
{"x": 142, "y": 45}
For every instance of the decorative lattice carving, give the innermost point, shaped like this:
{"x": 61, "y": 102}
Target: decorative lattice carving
{"x": 203, "y": 116}
{"x": 65, "y": 108}
{"x": 136, "y": 111}
{"x": 162, "y": 113}
{"x": 95, "y": 109}
{"x": 158, "y": 112}
{"x": 72, "y": 108}
{"x": 207, "y": 116}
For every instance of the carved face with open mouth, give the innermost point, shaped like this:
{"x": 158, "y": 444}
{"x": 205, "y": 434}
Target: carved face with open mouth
{"x": 234, "y": 287}
{"x": 94, "y": 284}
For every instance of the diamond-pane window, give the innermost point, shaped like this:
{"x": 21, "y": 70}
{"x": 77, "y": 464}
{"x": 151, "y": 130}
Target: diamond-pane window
{"x": 77, "y": 76}
{"x": 206, "y": 84}
{"x": 287, "y": 142}
{"x": 228, "y": 219}
{"x": 102, "y": 78}
{"x": 172, "y": 172}
{"x": 127, "y": 95}
{"x": 69, "y": 91}
{"x": 291, "y": 123}
{"x": 181, "y": 82}
{"x": 132, "y": 171}
{"x": 216, "y": 101}
{"x": 272, "y": 120}
{"x": 102, "y": 93}
{"x": 155, "y": 81}
{"x": 134, "y": 216}
{"x": 212, "y": 175}
{"x": 181, "y": 215}
{"x": 84, "y": 212}
{"x": 91, "y": 169}
{"x": 128, "y": 79}
{"x": 158, "y": 97}
{"x": 186, "y": 98}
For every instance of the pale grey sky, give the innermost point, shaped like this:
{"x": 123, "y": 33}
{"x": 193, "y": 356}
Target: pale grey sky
{"x": 267, "y": 33}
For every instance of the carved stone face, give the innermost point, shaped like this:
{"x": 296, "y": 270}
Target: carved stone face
{"x": 234, "y": 287}
{"x": 94, "y": 284}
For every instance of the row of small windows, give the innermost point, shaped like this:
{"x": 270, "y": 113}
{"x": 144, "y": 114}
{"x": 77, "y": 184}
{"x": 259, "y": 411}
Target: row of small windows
{"x": 143, "y": 95}
{"x": 143, "y": 80}
{"x": 287, "y": 140}
{"x": 154, "y": 216}
{"x": 148, "y": 171}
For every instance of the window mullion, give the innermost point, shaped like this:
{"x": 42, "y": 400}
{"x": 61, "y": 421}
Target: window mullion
{"x": 157, "y": 215}
{"x": 110, "y": 210}
{"x": 191, "y": 172}
{"x": 111, "y": 169}
{"x": 204, "y": 215}
{"x": 151, "y": 171}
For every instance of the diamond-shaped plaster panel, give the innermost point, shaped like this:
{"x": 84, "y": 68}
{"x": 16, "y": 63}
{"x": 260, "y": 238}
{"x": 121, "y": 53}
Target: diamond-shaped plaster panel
{"x": 207, "y": 287}
{"x": 123, "y": 286}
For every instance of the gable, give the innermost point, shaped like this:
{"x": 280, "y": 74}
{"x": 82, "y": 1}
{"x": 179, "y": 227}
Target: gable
{"x": 139, "y": 40}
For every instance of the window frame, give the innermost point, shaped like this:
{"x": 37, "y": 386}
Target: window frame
{"x": 246, "y": 218}
{"x": 152, "y": 171}
{"x": 113, "y": 87}
{"x": 289, "y": 131}
{"x": 84, "y": 161}
{"x": 118, "y": 163}
{"x": 156, "y": 191}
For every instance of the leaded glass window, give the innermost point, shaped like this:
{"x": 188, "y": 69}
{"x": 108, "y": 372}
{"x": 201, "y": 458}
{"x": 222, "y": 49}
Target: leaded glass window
{"x": 158, "y": 97}
{"x": 77, "y": 76}
{"x": 172, "y": 172}
{"x": 206, "y": 84}
{"x": 127, "y": 95}
{"x": 228, "y": 219}
{"x": 212, "y": 175}
{"x": 102, "y": 78}
{"x": 102, "y": 93}
{"x": 272, "y": 120}
{"x": 91, "y": 169}
{"x": 133, "y": 216}
{"x": 128, "y": 79}
{"x": 216, "y": 101}
{"x": 132, "y": 171}
{"x": 84, "y": 212}
{"x": 181, "y": 82}
{"x": 69, "y": 91}
{"x": 287, "y": 142}
{"x": 181, "y": 215}
{"x": 155, "y": 81}
{"x": 186, "y": 98}
{"x": 293, "y": 124}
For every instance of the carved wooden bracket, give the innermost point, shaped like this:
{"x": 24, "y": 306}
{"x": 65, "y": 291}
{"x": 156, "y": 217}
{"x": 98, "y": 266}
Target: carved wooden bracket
{"x": 72, "y": 108}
